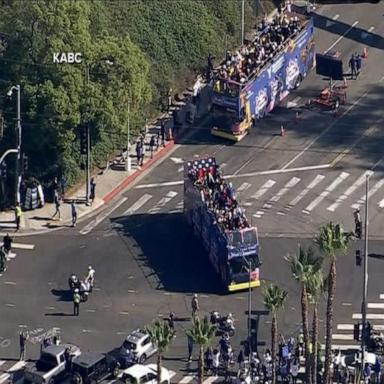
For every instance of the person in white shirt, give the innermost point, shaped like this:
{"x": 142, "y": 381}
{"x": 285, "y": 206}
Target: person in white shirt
{"x": 216, "y": 361}
{"x": 294, "y": 370}
{"x": 90, "y": 279}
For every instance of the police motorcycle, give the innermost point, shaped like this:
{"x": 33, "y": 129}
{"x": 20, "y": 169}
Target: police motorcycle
{"x": 83, "y": 286}
{"x": 224, "y": 324}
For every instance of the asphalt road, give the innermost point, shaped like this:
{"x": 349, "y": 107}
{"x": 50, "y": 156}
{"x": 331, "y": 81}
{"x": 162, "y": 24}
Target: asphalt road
{"x": 148, "y": 263}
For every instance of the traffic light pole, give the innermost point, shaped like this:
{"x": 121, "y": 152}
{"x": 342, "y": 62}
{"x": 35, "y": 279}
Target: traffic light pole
{"x": 365, "y": 279}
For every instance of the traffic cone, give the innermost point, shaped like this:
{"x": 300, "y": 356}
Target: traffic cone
{"x": 365, "y": 53}
{"x": 282, "y": 130}
{"x": 170, "y": 136}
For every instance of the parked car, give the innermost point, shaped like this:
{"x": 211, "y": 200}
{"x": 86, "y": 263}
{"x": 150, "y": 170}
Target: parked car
{"x": 140, "y": 344}
{"x": 51, "y": 365}
{"x": 93, "y": 367}
{"x": 144, "y": 374}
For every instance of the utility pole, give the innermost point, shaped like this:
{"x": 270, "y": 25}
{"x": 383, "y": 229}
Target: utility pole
{"x": 365, "y": 280}
{"x": 128, "y": 162}
{"x": 242, "y": 22}
{"x": 249, "y": 310}
{"x": 88, "y": 151}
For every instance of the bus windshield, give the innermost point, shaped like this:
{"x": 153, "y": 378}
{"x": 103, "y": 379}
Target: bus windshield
{"x": 226, "y": 88}
{"x": 240, "y": 264}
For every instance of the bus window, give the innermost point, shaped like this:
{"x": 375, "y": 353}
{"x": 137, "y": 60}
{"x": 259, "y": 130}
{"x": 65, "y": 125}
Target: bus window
{"x": 249, "y": 237}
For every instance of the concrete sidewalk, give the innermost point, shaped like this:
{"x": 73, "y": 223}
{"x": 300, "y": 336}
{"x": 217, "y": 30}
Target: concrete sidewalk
{"x": 112, "y": 180}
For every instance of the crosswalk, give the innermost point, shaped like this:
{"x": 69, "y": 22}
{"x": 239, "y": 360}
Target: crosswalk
{"x": 11, "y": 371}
{"x": 327, "y": 193}
{"x": 343, "y": 337}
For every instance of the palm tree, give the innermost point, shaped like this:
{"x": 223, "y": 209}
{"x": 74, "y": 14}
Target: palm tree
{"x": 303, "y": 266}
{"x": 202, "y": 333}
{"x": 274, "y": 298}
{"x": 315, "y": 286}
{"x": 331, "y": 240}
{"x": 161, "y": 335}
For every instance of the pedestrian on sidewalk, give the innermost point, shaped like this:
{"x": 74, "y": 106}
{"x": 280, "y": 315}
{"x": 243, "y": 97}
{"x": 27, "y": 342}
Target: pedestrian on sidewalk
{"x": 7, "y": 243}
{"x": 152, "y": 145}
{"x": 139, "y": 145}
{"x": 90, "y": 279}
{"x": 92, "y": 194}
{"x": 194, "y": 305}
{"x": 18, "y": 213}
{"x": 57, "y": 206}
{"x": 73, "y": 213}
{"x": 294, "y": 370}
{"x": 3, "y": 260}
{"x": 22, "y": 340}
{"x": 190, "y": 348}
{"x": 76, "y": 302}
{"x": 171, "y": 321}
{"x": 142, "y": 152}
{"x": 55, "y": 188}
{"x": 63, "y": 185}
{"x": 216, "y": 362}
{"x": 169, "y": 100}
{"x": 162, "y": 133}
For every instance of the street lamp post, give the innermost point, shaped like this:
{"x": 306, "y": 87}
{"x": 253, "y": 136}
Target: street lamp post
{"x": 365, "y": 279}
{"x": 18, "y": 161}
{"x": 87, "y": 176}
{"x": 242, "y": 22}
{"x": 128, "y": 162}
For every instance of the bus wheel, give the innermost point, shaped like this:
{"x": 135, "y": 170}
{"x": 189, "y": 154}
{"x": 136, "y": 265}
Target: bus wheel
{"x": 298, "y": 81}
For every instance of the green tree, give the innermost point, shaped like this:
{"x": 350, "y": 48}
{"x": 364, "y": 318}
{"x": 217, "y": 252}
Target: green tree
{"x": 202, "y": 333}
{"x": 331, "y": 240}
{"x": 303, "y": 266}
{"x": 315, "y": 288}
{"x": 161, "y": 335}
{"x": 274, "y": 298}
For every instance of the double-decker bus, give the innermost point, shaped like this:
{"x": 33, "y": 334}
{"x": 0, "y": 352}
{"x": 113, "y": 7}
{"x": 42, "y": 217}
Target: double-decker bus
{"x": 233, "y": 253}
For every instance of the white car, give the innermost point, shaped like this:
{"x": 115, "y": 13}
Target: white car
{"x": 140, "y": 344}
{"x": 144, "y": 374}
{"x": 351, "y": 359}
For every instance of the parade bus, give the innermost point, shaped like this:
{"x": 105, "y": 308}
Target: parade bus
{"x": 236, "y": 107}
{"x": 234, "y": 254}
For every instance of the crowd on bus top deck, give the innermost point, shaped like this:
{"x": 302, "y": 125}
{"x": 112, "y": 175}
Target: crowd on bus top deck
{"x": 219, "y": 197}
{"x": 271, "y": 38}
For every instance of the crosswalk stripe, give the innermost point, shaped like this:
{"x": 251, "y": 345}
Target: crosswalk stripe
{"x": 263, "y": 189}
{"x": 358, "y": 183}
{"x": 4, "y": 377}
{"x": 21, "y": 245}
{"x": 350, "y": 327}
{"x": 382, "y": 296}
{"x": 376, "y": 305}
{"x": 371, "y": 192}
{"x": 244, "y": 187}
{"x": 186, "y": 379}
{"x": 15, "y": 367}
{"x": 325, "y": 193}
{"x": 138, "y": 204}
{"x": 290, "y": 184}
{"x": 310, "y": 186}
{"x": 381, "y": 203}
{"x": 163, "y": 201}
{"x": 341, "y": 336}
{"x": 210, "y": 380}
{"x": 342, "y": 347}
{"x": 370, "y": 316}
{"x": 2, "y": 362}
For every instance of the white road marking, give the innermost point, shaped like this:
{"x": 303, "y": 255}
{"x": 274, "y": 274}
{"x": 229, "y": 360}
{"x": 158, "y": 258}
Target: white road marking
{"x": 382, "y": 296}
{"x": 2, "y": 362}
{"x": 328, "y": 23}
{"x": 381, "y": 203}
{"x": 138, "y": 204}
{"x": 325, "y": 130}
{"x": 162, "y": 202}
{"x": 4, "y": 377}
{"x": 341, "y": 336}
{"x": 90, "y": 310}
{"x": 342, "y": 347}
{"x": 21, "y": 246}
{"x": 371, "y": 192}
{"x": 124, "y": 313}
{"x": 186, "y": 379}
{"x": 180, "y": 169}
{"x": 177, "y": 160}
{"x": 17, "y": 366}
{"x": 10, "y": 282}
{"x": 264, "y": 188}
{"x": 345, "y": 327}
{"x": 251, "y": 174}
{"x": 10, "y": 305}
{"x": 175, "y": 211}
{"x": 171, "y": 374}
{"x": 376, "y": 305}
{"x": 371, "y": 29}
{"x": 310, "y": 186}
{"x": 335, "y": 17}
{"x": 88, "y": 228}
{"x": 290, "y": 184}
{"x": 370, "y": 316}
{"x": 325, "y": 193}
{"x": 342, "y": 36}
{"x": 243, "y": 187}
{"x": 358, "y": 183}
{"x": 210, "y": 380}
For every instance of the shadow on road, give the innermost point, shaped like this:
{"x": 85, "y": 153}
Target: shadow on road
{"x": 62, "y": 294}
{"x": 166, "y": 251}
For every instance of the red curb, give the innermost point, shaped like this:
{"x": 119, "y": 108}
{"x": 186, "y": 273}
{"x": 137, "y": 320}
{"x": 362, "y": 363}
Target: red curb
{"x": 125, "y": 182}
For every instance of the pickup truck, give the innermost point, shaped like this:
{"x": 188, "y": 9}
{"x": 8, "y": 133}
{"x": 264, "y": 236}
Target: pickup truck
{"x": 51, "y": 365}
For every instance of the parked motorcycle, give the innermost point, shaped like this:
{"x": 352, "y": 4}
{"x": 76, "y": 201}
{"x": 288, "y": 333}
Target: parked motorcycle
{"x": 83, "y": 287}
